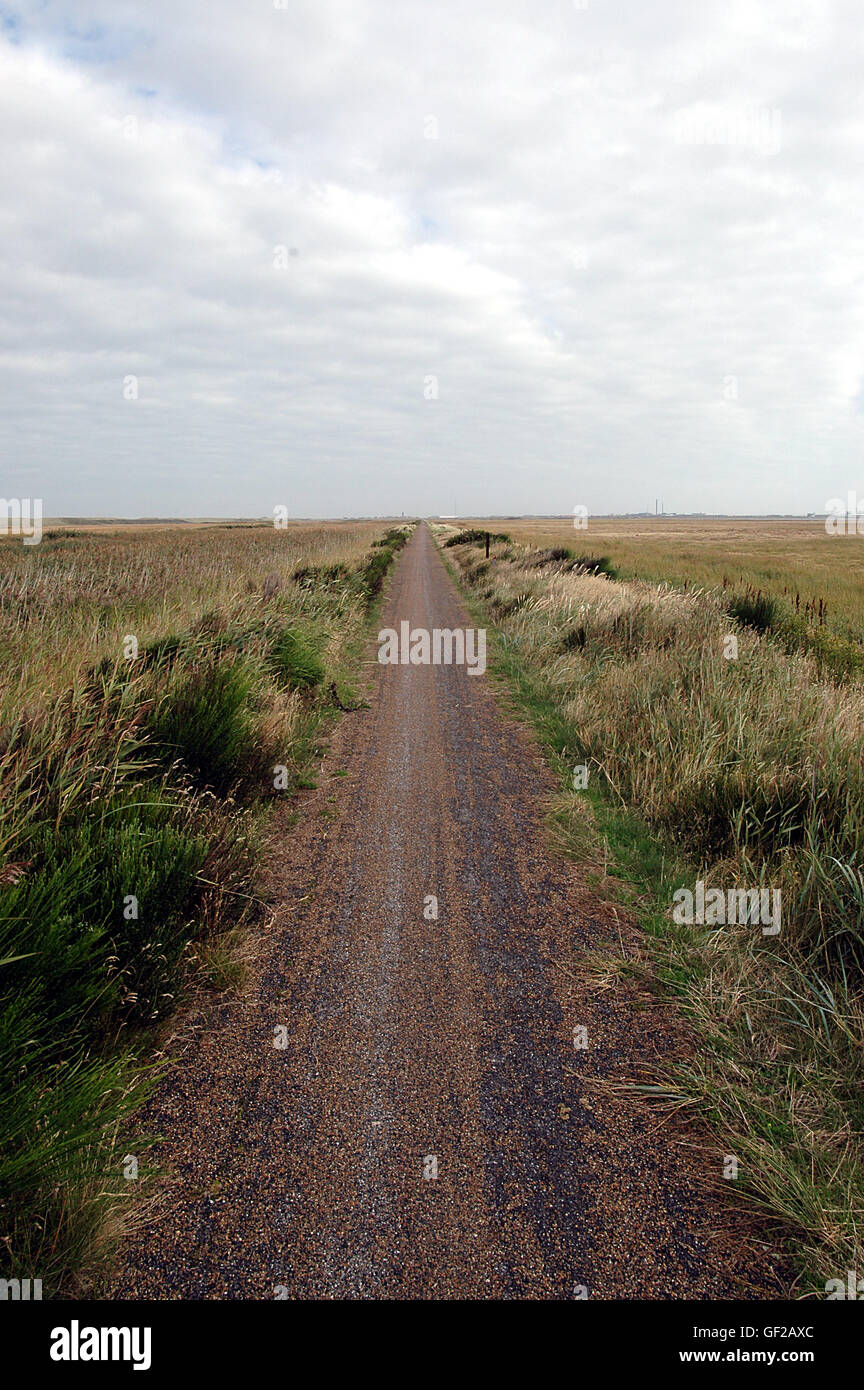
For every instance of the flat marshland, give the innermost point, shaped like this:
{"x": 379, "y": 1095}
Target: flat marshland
{"x": 738, "y": 763}
{"x": 161, "y": 689}
{"x": 158, "y": 689}
{"x": 70, "y": 600}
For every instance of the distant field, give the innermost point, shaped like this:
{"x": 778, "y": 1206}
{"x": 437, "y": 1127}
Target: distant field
{"x": 780, "y": 557}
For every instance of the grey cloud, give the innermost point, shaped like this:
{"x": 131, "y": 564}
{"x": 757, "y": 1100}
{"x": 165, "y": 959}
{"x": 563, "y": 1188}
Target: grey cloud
{"x": 581, "y": 280}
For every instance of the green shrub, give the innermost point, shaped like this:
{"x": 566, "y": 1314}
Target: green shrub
{"x": 394, "y": 538}
{"x": 320, "y": 576}
{"x": 838, "y": 657}
{"x": 295, "y": 661}
{"x": 595, "y": 564}
{"x": 756, "y": 610}
{"x": 88, "y": 959}
{"x": 204, "y": 717}
{"x": 474, "y": 537}
{"x": 374, "y": 571}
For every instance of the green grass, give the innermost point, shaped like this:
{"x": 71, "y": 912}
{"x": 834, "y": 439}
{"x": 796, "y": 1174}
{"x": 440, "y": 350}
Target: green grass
{"x": 296, "y": 661}
{"x": 206, "y": 717}
{"x": 376, "y": 567}
{"x": 759, "y": 611}
{"x": 474, "y": 537}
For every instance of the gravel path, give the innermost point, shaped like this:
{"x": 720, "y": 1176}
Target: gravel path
{"x": 417, "y": 1045}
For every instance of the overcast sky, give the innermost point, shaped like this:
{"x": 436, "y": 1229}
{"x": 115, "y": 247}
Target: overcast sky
{"x": 371, "y": 256}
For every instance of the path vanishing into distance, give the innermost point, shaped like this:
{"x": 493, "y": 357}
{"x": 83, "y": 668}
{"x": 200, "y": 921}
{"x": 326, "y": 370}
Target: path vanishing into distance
{"x": 415, "y": 1045}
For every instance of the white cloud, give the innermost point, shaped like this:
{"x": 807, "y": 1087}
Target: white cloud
{"x": 241, "y": 207}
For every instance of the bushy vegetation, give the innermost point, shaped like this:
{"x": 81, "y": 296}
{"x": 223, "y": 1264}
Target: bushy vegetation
{"x": 474, "y": 537}
{"x": 566, "y": 560}
{"x": 100, "y": 896}
{"x": 747, "y": 772}
{"x": 296, "y": 661}
{"x": 205, "y": 716}
{"x": 757, "y": 610}
{"x": 132, "y": 797}
{"x": 378, "y": 564}
{"x": 320, "y": 576}
{"x": 835, "y": 656}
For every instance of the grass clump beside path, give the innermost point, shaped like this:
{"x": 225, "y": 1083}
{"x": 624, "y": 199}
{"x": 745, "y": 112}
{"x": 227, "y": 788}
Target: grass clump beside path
{"x": 473, "y": 537}
{"x": 376, "y": 567}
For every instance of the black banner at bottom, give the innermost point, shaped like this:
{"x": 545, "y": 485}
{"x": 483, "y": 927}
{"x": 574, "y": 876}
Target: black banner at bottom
{"x": 139, "y": 1338}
